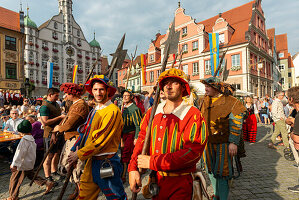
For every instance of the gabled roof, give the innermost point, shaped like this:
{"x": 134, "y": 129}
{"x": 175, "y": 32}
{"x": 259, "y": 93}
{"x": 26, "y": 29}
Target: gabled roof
{"x": 271, "y": 35}
{"x": 43, "y": 25}
{"x": 238, "y": 18}
{"x": 158, "y": 39}
{"x": 281, "y": 42}
{"x": 9, "y": 19}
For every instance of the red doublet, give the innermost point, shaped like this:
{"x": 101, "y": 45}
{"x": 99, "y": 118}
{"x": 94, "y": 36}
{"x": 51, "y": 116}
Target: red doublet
{"x": 177, "y": 143}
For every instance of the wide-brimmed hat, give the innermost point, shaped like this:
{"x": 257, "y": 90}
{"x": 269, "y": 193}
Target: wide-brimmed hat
{"x": 71, "y": 88}
{"x": 103, "y": 79}
{"x": 177, "y": 74}
{"x": 216, "y": 83}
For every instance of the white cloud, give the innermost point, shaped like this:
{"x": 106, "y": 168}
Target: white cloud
{"x": 142, "y": 19}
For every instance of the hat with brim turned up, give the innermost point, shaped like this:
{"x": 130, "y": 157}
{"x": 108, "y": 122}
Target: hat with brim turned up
{"x": 217, "y": 84}
{"x": 102, "y": 79}
{"x": 177, "y": 74}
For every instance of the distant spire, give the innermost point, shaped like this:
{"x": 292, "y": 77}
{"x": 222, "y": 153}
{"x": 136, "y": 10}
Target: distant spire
{"x": 21, "y": 6}
{"x": 220, "y": 14}
{"x": 179, "y": 4}
{"x": 27, "y": 10}
{"x": 94, "y": 34}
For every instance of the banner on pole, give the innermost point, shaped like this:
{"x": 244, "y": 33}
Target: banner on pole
{"x": 49, "y": 74}
{"x": 214, "y": 51}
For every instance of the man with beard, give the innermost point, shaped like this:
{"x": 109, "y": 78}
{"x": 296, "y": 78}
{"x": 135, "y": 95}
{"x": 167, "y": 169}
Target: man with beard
{"x": 103, "y": 132}
{"x": 178, "y": 138}
{"x": 224, "y": 116}
{"x": 76, "y": 116}
{"x": 132, "y": 117}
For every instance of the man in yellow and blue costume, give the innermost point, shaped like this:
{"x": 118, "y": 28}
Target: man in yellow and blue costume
{"x": 103, "y": 128}
{"x": 224, "y": 115}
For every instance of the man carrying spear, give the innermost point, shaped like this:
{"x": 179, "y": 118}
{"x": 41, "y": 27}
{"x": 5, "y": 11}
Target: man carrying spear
{"x": 77, "y": 114}
{"x": 103, "y": 133}
{"x": 178, "y": 138}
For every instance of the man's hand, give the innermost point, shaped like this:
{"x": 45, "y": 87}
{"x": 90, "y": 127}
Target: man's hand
{"x": 232, "y": 149}
{"x": 13, "y": 168}
{"x": 134, "y": 181}
{"x": 62, "y": 116}
{"x": 53, "y": 138}
{"x": 143, "y": 161}
{"x": 73, "y": 157}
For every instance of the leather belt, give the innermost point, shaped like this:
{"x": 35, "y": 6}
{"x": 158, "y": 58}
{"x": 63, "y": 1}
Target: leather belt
{"x": 173, "y": 174}
{"x": 103, "y": 157}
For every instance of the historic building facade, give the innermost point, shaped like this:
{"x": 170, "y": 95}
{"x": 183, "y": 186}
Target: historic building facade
{"x": 242, "y": 31}
{"x": 12, "y": 41}
{"x": 59, "y": 40}
{"x": 285, "y": 63}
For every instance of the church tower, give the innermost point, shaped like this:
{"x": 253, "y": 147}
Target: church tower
{"x": 65, "y": 7}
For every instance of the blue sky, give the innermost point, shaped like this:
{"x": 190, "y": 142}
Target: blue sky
{"x": 142, "y": 19}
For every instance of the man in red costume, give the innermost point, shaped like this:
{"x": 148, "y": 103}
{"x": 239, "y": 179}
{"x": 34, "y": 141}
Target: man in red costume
{"x": 178, "y": 138}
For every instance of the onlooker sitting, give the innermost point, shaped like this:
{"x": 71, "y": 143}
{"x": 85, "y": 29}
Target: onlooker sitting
{"x": 4, "y": 119}
{"x": 12, "y": 124}
{"x": 23, "y": 162}
{"x": 279, "y": 119}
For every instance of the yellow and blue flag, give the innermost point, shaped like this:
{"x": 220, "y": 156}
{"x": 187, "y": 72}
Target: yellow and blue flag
{"x": 214, "y": 51}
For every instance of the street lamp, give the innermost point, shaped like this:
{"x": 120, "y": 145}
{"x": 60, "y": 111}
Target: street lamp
{"x": 27, "y": 85}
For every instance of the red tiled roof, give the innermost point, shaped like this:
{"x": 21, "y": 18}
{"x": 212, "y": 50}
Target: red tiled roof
{"x": 291, "y": 64}
{"x": 9, "y": 19}
{"x": 281, "y": 42}
{"x": 158, "y": 40}
{"x": 238, "y": 18}
{"x": 271, "y": 35}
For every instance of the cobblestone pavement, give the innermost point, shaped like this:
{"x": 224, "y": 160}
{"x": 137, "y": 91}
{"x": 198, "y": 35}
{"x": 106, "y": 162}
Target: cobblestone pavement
{"x": 266, "y": 175}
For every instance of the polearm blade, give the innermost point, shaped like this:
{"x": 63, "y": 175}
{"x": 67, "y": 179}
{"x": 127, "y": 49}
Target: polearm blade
{"x": 118, "y": 56}
{"x": 171, "y": 42}
{"x": 220, "y": 63}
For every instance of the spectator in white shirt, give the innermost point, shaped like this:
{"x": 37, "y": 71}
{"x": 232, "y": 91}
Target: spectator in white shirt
{"x": 279, "y": 119}
{"x": 12, "y": 124}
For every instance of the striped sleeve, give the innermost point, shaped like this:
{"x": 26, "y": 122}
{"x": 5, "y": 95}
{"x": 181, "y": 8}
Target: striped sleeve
{"x": 235, "y": 127}
{"x": 136, "y": 120}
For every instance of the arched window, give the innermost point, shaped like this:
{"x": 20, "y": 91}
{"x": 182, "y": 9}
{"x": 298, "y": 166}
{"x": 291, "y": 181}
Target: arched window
{"x": 55, "y": 25}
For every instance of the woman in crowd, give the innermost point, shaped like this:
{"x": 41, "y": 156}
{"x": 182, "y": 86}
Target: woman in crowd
{"x": 265, "y": 111}
{"x": 250, "y": 124}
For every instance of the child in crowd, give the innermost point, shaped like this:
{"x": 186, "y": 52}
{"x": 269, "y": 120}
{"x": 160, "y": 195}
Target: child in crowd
{"x": 23, "y": 162}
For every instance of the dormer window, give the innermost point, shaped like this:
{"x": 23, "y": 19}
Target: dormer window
{"x": 152, "y": 58}
{"x": 221, "y": 38}
{"x": 184, "y": 31}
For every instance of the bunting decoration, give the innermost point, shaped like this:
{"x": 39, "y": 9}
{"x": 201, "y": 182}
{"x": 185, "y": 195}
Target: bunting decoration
{"x": 143, "y": 68}
{"x": 74, "y": 73}
{"x": 49, "y": 74}
{"x": 214, "y": 52}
